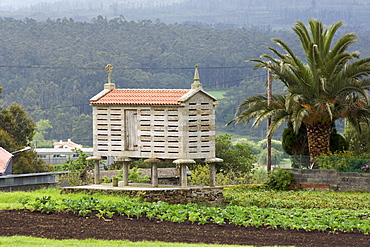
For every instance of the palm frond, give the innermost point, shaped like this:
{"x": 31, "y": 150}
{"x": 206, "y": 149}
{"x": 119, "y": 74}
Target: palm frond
{"x": 331, "y": 84}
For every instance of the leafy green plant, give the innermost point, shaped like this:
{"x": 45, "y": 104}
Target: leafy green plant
{"x": 109, "y": 214}
{"x": 100, "y": 214}
{"x": 23, "y": 201}
{"x": 47, "y": 208}
{"x": 106, "y": 179}
{"x": 45, "y": 204}
{"x": 281, "y": 179}
{"x": 84, "y": 212}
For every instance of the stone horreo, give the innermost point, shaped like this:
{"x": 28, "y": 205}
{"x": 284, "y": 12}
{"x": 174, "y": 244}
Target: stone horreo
{"x": 155, "y": 125}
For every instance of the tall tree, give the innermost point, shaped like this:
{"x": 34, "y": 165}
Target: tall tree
{"x": 18, "y": 124}
{"x": 16, "y": 131}
{"x": 330, "y": 84}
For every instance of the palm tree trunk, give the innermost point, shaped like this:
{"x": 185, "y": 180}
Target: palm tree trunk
{"x": 318, "y": 141}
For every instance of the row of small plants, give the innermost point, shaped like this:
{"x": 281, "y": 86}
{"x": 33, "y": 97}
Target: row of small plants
{"x": 344, "y": 220}
{"x": 257, "y": 195}
{"x": 279, "y": 191}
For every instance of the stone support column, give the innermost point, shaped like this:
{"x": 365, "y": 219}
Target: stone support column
{"x": 212, "y": 172}
{"x": 96, "y": 172}
{"x": 183, "y": 170}
{"x": 154, "y": 170}
{"x": 183, "y": 175}
{"x": 212, "y": 175}
{"x": 96, "y": 160}
{"x": 125, "y": 168}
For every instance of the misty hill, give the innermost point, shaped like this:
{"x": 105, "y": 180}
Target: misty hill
{"x": 276, "y": 14}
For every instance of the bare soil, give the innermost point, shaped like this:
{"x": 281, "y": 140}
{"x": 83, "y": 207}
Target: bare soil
{"x": 65, "y": 225}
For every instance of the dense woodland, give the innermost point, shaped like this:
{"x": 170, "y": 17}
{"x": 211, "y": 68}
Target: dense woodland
{"x": 275, "y": 14}
{"x": 52, "y": 68}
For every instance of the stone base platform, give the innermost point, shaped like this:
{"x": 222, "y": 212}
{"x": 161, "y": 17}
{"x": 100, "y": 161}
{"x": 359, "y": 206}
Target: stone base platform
{"x": 164, "y": 193}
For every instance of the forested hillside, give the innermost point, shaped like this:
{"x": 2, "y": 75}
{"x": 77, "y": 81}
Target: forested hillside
{"x": 275, "y": 14}
{"x": 53, "y": 68}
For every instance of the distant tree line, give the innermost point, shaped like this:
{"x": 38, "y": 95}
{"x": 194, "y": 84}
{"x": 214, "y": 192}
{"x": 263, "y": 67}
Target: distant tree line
{"x": 276, "y": 14}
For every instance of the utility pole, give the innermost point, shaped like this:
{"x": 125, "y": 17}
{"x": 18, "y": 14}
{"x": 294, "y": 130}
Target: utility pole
{"x": 269, "y": 89}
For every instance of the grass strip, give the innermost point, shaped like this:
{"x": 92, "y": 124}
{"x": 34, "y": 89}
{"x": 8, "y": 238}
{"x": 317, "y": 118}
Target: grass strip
{"x": 20, "y": 241}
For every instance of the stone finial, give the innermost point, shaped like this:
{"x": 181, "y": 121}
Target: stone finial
{"x": 196, "y": 84}
{"x": 109, "y": 68}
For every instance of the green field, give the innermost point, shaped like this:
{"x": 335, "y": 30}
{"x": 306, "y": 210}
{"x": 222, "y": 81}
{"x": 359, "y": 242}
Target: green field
{"x": 217, "y": 94}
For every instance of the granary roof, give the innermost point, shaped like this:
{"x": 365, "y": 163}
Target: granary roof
{"x": 140, "y": 97}
{"x": 112, "y": 96}
{"x": 5, "y": 158}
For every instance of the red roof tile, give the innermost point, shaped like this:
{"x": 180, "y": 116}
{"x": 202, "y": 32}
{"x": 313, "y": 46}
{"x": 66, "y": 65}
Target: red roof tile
{"x": 142, "y": 97}
{"x": 70, "y": 144}
{"x": 5, "y": 157}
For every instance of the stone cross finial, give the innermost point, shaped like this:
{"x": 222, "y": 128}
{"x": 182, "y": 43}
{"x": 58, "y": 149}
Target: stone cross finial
{"x": 109, "y": 68}
{"x": 196, "y": 84}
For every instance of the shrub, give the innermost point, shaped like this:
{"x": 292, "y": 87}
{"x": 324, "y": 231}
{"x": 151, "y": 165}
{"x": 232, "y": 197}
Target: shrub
{"x": 81, "y": 170}
{"x": 279, "y": 180}
{"x": 238, "y": 157}
{"x": 344, "y": 161}
{"x": 339, "y": 161}
{"x": 134, "y": 175}
{"x": 258, "y": 176}
{"x": 200, "y": 176}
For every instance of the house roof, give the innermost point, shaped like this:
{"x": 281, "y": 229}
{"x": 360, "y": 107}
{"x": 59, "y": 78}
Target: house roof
{"x": 141, "y": 97}
{"x": 5, "y": 158}
{"x": 68, "y": 144}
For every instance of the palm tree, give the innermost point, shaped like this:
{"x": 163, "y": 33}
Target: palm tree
{"x": 330, "y": 84}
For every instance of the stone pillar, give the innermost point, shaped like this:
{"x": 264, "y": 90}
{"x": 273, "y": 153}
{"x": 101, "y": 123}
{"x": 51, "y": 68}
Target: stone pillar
{"x": 183, "y": 176}
{"x": 212, "y": 175}
{"x": 183, "y": 170}
{"x": 212, "y": 171}
{"x": 154, "y": 170}
{"x": 155, "y": 174}
{"x": 96, "y": 160}
{"x": 125, "y": 167}
{"x": 96, "y": 172}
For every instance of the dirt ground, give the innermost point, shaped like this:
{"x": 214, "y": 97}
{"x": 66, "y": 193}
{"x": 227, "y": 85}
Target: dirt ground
{"x": 65, "y": 225}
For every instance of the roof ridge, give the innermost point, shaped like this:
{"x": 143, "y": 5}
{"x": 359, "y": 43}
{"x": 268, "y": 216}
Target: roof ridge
{"x": 127, "y": 96}
{"x": 151, "y": 89}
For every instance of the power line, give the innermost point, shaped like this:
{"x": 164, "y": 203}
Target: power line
{"x": 227, "y": 82}
{"x": 68, "y": 106}
{"x": 54, "y": 107}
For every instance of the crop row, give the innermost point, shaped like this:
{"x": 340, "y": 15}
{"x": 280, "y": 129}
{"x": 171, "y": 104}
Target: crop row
{"x": 344, "y": 220}
{"x": 244, "y": 196}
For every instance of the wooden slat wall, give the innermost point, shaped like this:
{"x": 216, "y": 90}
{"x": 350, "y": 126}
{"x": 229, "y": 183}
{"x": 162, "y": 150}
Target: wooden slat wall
{"x": 158, "y": 132}
{"x": 109, "y": 130}
{"x": 199, "y": 128}
{"x": 166, "y": 132}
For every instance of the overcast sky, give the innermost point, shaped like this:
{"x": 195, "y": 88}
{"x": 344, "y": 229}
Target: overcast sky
{"x": 18, "y": 3}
